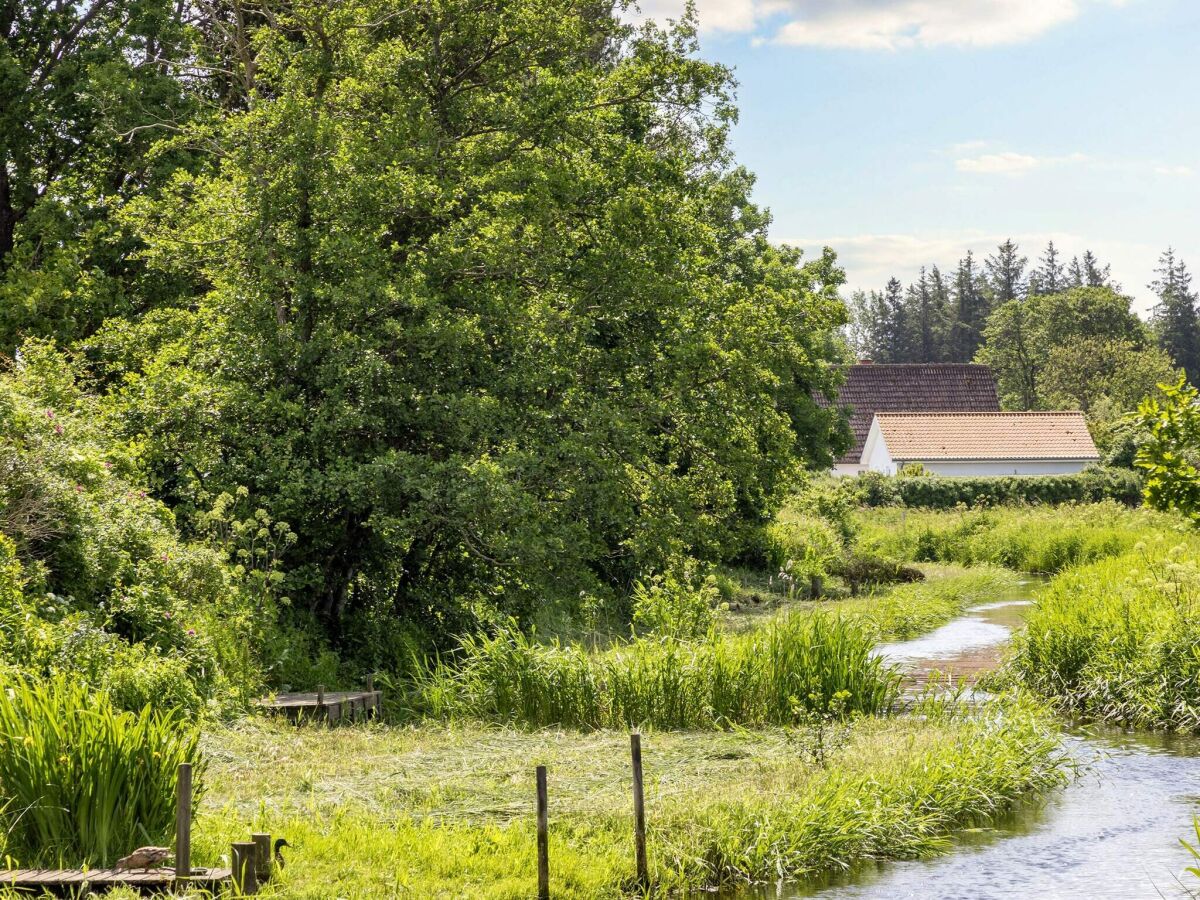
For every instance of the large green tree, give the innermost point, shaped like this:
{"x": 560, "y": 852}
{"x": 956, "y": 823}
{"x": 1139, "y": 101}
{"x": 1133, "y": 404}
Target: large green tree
{"x": 489, "y": 316}
{"x": 1021, "y": 335}
{"x": 86, "y": 88}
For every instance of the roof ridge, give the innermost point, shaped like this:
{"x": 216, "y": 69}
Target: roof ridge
{"x": 1002, "y": 412}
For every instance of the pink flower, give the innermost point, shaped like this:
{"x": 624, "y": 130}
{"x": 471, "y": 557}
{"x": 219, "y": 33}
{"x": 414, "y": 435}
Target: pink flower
{"x": 167, "y": 615}
{"x": 79, "y": 488}
{"x": 49, "y": 414}
{"x": 191, "y": 632}
{"x": 58, "y": 429}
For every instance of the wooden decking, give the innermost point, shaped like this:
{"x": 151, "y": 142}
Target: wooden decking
{"x": 327, "y": 706}
{"x": 101, "y": 879}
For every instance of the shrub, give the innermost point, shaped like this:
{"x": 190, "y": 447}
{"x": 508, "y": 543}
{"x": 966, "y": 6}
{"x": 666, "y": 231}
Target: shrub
{"x": 81, "y": 782}
{"x": 942, "y": 492}
{"x": 861, "y": 570}
{"x": 675, "y": 604}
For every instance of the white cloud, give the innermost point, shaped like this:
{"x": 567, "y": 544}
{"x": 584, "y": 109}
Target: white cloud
{"x": 997, "y": 163}
{"x": 901, "y": 24}
{"x": 1008, "y": 162}
{"x": 881, "y": 24}
{"x": 871, "y": 259}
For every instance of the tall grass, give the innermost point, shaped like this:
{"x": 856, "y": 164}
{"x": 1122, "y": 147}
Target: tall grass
{"x": 1027, "y": 539}
{"x": 774, "y": 675}
{"x": 81, "y": 782}
{"x": 1119, "y": 640}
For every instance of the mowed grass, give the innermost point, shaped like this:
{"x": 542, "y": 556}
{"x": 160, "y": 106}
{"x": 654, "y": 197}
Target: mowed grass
{"x": 428, "y": 811}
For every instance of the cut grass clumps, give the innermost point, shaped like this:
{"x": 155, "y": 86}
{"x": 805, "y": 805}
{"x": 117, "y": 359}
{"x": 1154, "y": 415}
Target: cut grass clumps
{"x": 80, "y": 781}
{"x": 432, "y": 811}
{"x": 791, "y": 667}
{"x": 1119, "y": 640}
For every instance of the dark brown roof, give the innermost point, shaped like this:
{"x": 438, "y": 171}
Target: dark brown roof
{"x": 912, "y": 387}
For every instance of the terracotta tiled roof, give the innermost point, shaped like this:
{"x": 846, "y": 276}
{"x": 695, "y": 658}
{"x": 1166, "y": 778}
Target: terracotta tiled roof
{"x": 1005, "y": 435}
{"x": 918, "y": 387}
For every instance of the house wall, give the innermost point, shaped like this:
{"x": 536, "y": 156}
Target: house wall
{"x": 1003, "y": 466}
{"x": 848, "y": 469}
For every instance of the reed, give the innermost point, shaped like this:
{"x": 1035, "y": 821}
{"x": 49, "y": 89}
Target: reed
{"x": 790, "y": 668}
{"x": 81, "y": 782}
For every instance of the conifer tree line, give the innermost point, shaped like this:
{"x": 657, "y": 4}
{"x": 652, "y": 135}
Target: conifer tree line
{"x": 945, "y": 317}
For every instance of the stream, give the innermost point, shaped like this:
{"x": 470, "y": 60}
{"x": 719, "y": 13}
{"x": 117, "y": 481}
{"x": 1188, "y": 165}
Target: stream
{"x": 1113, "y": 833}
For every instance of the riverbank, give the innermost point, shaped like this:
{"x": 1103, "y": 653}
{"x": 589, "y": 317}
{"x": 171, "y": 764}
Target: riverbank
{"x": 448, "y": 812}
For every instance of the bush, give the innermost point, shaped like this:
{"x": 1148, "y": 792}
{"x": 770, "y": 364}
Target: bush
{"x": 861, "y": 570}
{"x": 675, "y": 605}
{"x": 81, "y": 782}
{"x": 941, "y": 492}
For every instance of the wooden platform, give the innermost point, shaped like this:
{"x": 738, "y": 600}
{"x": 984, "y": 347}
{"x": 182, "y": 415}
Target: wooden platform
{"x": 100, "y": 879}
{"x": 332, "y": 707}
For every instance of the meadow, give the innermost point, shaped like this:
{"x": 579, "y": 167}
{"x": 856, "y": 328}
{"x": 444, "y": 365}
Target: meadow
{"x": 447, "y": 811}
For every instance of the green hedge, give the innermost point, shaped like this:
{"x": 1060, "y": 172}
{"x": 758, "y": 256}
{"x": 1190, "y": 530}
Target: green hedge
{"x": 944, "y": 492}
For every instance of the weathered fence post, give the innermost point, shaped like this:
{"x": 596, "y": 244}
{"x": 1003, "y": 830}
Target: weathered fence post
{"x": 183, "y": 821}
{"x": 639, "y": 811}
{"x": 245, "y": 877}
{"x": 262, "y": 856}
{"x": 322, "y": 712}
{"x": 543, "y": 837}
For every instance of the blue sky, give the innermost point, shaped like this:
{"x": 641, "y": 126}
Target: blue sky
{"x": 902, "y": 132}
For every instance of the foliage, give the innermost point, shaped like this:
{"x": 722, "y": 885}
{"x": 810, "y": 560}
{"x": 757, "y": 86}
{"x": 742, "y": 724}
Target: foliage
{"x": 771, "y": 675}
{"x": 86, "y": 86}
{"x": 484, "y": 339}
{"x": 1021, "y": 335}
{"x": 81, "y": 782}
{"x": 97, "y": 582}
{"x": 933, "y": 492}
{"x": 1169, "y": 454}
{"x": 675, "y": 604}
{"x": 861, "y": 570}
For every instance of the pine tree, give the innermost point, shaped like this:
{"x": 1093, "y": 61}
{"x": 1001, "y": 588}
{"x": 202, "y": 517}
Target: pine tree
{"x": 1175, "y": 318}
{"x": 1050, "y": 276}
{"x": 970, "y": 311}
{"x": 936, "y": 321}
{"x": 1006, "y": 273}
{"x": 898, "y": 341}
{"x": 1096, "y": 275}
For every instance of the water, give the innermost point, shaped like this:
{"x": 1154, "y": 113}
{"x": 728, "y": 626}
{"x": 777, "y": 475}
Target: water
{"x": 1114, "y": 833}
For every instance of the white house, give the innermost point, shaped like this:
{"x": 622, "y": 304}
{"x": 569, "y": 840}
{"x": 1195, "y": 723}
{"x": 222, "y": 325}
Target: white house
{"x": 869, "y": 388}
{"x": 980, "y": 443}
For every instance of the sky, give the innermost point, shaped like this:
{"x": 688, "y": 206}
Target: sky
{"x": 903, "y": 132}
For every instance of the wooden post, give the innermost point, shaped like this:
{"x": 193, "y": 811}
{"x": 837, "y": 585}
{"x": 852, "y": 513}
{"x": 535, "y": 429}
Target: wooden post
{"x": 262, "y": 856}
{"x": 322, "y": 712}
{"x": 245, "y": 878}
{"x": 639, "y": 811}
{"x": 371, "y": 683}
{"x": 183, "y": 822}
{"x": 543, "y": 838}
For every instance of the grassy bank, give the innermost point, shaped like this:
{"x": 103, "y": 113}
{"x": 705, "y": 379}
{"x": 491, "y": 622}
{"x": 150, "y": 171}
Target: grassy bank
{"x": 448, "y": 812}
{"x": 1115, "y": 636}
{"x": 1025, "y": 539}
{"x": 1119, "y": 640}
